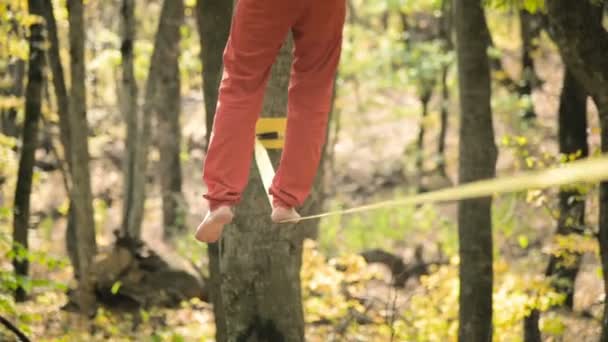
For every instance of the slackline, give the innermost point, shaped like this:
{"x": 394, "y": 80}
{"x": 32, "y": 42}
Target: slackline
{"x": 590, "y": 170}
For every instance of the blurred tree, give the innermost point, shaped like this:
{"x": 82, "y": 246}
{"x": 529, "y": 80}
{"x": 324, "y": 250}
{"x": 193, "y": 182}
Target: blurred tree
{"x": 424, "y": 62}
{"x": 572, "y": 119}
{"x": 82, "y": 197}
{"x": 572, "y": 125}
{"x": 582, "y": 39}
{"x": 33, "y": 105}
{"x": 530, "y": 27}
{"x": 213, "y": 18}
{"x": 169, "y": 130}
{"x": 12, "y": 67}
{"x": 445, "y": 34}
{"x": 477, "y": 161}
{"x": 166, "y": 44}
{"x": 128, "y": 103}
{"x": 14, "y": 73}
{"x": 63, "y": 103}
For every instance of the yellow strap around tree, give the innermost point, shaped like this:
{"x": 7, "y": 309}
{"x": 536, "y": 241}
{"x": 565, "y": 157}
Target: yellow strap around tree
{"x": 271, "y": 132}
{"x": 264, "y": 167}
{"x": 591, "y": 170}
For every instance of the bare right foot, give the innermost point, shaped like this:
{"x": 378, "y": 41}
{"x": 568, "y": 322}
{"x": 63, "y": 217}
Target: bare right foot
{"x": 281, "y": 214}
{"x": 211, "y": 228}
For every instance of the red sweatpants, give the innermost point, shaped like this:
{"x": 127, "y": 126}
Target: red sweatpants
{"x": 258, "y": 30}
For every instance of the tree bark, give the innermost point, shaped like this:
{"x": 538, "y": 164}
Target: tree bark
{"x": 445, "y": 33}
{"x": 163, "y": 45}
{"x": 213, "y": 23}
{"x": 169, "y": 130}
{"x": 81, "y": 183}
{"x": 531, "y": 328}
{"x": 528, "y": 33}
{"x": 33, "y": 104}
{"x": 260, "y": 262}
{"x": 443, "y": 130}
{"x": 577, "y": 29}
{"x": 128, "y": 102}
{"x": 424, "y": 100}
{"x": 572, "y": 139}
{"x": 8, "y": 116}
{"x": 572, "y": 117}
{"x": 61, "y": 96}
{"x": 478, "y": 155}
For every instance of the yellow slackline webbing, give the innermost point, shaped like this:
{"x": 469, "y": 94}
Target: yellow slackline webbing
{"x": 589, "y": 170}
{"x": 264, "y": 167}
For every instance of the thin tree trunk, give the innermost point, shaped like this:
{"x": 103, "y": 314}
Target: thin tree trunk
{"x": 163, "y": 46}
{"x": 81, "y": 183}
{"x": 213, "y": 23}
{"x": 572, "y": 139}
{"x": 260, "y": 276}
{"x": 477, "y": 161}
{"x": 531, "y": 328}
{"x": 424, "y": 100}
{"x": 61, "y": 96}
{"x": 128, "y": 104}
{"x": 8, "y": 116}
{"x": 528, "y": 73}
{"x": 445, "y": 33}
{"x": 169, "y": 130}
{"x": 443, "y": 130}
{"x": 603, "y": 225}
{"x": 33, "y": 104}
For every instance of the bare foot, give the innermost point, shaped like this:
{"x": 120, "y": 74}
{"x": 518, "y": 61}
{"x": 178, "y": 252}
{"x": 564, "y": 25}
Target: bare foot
{"x": 212, "y": 226}
{"x": 280, "y": 214}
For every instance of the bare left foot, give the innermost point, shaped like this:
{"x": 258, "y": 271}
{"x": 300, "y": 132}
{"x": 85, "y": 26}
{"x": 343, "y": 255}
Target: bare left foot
{"x": 211, "y": 228}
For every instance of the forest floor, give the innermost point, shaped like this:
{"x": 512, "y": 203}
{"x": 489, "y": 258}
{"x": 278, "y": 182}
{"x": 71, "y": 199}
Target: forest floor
{"x": 370, "y": 160}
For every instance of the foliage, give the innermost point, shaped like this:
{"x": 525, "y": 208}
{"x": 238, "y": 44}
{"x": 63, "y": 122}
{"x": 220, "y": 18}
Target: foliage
{"x": 386, "y": 228}
{"x": 531, "y": 6}
{"x": 422, "y": 65}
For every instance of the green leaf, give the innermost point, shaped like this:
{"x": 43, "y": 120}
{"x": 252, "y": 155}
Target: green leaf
{"x": 523, "y": 241}
{"x": 116, "y": 287}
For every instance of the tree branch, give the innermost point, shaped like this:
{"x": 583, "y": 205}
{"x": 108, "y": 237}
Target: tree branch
{"x": 14, "y": 329}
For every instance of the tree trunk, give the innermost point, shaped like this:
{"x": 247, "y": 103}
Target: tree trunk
{"x": 163, "y": 46}
{"x": 260, "y": 262}
{"x": 213, "y": 23}
{"x": 8, "y": 116}
{"x": 531, "y": 328}
{"x": 477, "y": 161}
{"x": 81, "y": 183}
{"x": 61, "y": 96}
{"x": 33, "y": 104}
{"x": 424, "y": 100}
{"x": 572, "y": 139}
{"x": 528, "y": 73}
{"x": 128, "y": 102}
{"x": 169, "y": 130}
{"x": 603, "y": 226}
{"x": 443, "y": 131}
{"x": 445, "y": 33}
{"x": 583, "y": 43}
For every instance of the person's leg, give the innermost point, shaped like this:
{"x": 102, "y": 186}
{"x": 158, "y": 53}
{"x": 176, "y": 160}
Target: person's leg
{"x": 318, "y": 39}
{"x": 258, "y": 30}
{"x": 256, "y": 35}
